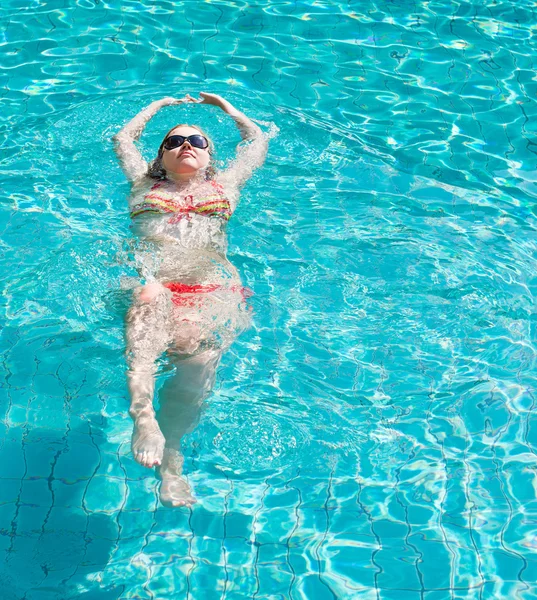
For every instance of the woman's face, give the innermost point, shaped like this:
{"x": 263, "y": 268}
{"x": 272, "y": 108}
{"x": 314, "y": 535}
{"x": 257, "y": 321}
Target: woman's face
{"x": 185, "y": 159}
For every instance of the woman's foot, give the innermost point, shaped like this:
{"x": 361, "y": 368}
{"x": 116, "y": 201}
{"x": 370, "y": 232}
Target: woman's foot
{"x": 174, "y": 490}
{"x": 147, "y": 442}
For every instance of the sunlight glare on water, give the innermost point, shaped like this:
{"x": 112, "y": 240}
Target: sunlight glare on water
{"x": 372, "y": 435}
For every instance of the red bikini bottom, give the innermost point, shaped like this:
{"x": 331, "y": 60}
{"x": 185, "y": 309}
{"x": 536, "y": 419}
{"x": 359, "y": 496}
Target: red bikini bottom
{"x": 182, "y": 292}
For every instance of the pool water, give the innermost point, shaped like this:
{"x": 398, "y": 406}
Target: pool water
{"x": 373, "y": 435}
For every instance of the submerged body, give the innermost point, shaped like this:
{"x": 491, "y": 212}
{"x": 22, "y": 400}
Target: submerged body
{"x": 187, "y": 237}
{"x": 187, "y": 231}
{"x": 194, "y": 306}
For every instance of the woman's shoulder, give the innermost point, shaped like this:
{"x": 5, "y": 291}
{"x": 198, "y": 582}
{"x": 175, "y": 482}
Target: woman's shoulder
{"x": 144, "y": 182}
{"x": 225, "y": 186}
{"x": 141, "y": 187}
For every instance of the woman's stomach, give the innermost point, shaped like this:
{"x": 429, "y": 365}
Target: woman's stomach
{"x": 199, "y": 267}
{"x": 188, "y": 250}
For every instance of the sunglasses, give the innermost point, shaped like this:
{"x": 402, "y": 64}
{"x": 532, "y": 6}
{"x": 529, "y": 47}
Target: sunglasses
{"x": 176, "y": 141}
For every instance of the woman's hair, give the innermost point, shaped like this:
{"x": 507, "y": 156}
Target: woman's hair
{"x": 156, "y": 169}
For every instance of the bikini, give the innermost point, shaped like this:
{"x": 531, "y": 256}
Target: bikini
{"x": 183, "y": 293}
{"x": 161, "y": 201}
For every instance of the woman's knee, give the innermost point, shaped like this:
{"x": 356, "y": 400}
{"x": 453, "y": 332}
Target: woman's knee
{"x": 152, "y": 291}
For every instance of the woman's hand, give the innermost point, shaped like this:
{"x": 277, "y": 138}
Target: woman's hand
{"x": 212, "y": 99}
{"x": 169, "y": 101}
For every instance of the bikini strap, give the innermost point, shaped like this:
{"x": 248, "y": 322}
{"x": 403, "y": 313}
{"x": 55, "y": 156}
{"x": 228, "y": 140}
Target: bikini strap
{"x": 217, "y": 186}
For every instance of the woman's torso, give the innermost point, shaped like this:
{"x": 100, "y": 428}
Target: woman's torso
{"x": 186, "y": 229}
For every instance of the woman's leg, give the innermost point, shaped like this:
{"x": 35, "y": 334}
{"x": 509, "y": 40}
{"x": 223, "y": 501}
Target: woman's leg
{"x": 203, "y": 328}
{"x": 181, "y": 399}
{"x": 148, "y": 334}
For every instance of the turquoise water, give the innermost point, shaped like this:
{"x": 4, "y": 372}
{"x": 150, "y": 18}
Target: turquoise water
{"x": 373, "y": 435}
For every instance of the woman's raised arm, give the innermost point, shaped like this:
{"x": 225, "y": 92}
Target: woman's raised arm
{"x": 251, "y": 152}
{"x": 130, "y": 158}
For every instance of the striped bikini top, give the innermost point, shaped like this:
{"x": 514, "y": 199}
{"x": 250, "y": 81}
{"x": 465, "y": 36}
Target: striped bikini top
{"x": 161, "y": 201}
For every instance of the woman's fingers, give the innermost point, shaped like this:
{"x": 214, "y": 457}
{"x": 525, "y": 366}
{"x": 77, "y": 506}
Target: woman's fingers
{"x": 205, "y": 98}
{"x": 183, "y": 100}
{"x": 191, "y": 99}
{"x": 213, "y": 100}
{"x": 210, "y": 98}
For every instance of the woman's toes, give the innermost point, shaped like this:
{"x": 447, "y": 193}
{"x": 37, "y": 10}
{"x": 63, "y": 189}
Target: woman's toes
{"x": 147, "y": 443}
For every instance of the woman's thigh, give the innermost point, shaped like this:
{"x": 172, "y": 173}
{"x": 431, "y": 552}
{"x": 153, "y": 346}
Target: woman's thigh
{"x": 207, "y": 321}
{"x": 149, "y": 327}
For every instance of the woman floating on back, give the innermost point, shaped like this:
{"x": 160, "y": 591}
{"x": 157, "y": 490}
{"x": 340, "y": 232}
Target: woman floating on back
{"x": 194, "y": 305}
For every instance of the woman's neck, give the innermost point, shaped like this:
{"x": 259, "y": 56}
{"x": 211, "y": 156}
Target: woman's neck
{"x": 185, "y": 180}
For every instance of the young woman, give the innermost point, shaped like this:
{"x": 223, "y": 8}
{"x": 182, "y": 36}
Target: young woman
{"x": 193, "y": 304}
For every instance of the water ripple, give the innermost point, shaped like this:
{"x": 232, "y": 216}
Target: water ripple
{"x": 373, "y": 435}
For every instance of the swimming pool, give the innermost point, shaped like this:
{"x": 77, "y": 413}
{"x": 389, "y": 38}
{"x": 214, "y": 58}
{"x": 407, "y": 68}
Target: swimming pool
{"x": 373, "y": 434}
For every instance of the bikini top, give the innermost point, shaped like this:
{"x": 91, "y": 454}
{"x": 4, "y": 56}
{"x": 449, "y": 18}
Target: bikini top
{"x": 161, "y": 201}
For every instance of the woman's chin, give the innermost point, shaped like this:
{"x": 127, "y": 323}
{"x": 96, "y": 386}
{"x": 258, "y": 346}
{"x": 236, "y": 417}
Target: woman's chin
{"x": 183, "y": 170}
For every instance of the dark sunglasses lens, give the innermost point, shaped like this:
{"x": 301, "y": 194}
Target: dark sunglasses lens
{"x": 198, "y": 141}
{"x": 174, "y": 141}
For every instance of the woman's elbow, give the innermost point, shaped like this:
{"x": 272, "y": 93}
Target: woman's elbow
{"x": 119, "y": 137}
